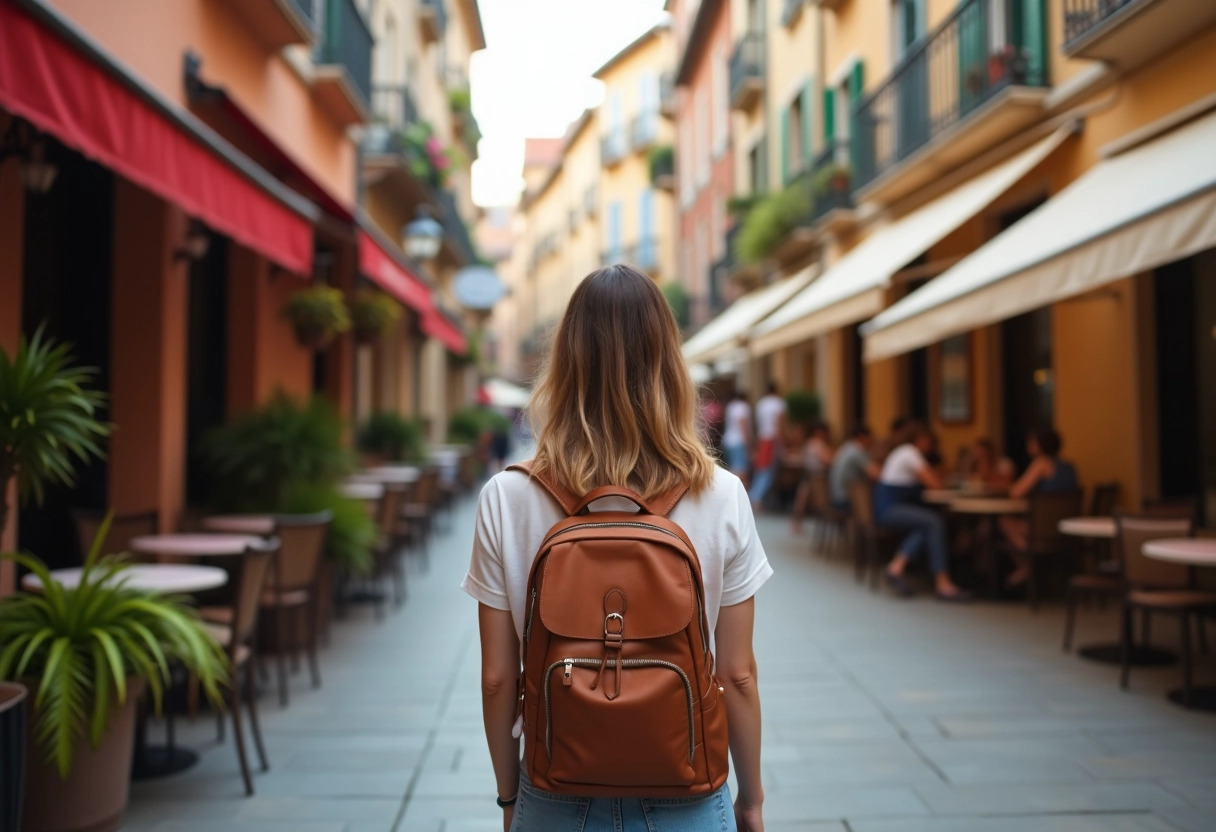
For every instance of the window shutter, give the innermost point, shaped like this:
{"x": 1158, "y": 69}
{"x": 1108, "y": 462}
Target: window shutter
{"x": 785, "y": 145}
{"x": 829, "y": 115}
{"x": 808, "y": 93}
{"x": 857, "y": 85}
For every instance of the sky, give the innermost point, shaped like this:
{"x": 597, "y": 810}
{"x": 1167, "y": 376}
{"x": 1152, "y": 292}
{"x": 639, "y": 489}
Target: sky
{"x": 534, "y": 76}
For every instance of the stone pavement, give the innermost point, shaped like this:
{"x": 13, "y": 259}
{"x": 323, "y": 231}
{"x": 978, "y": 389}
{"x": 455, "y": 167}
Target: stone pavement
{"x": 880, "y": 716}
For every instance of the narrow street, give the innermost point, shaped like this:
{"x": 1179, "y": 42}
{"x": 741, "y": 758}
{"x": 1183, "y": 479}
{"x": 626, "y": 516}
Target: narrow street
{"x": 880, "y": 716}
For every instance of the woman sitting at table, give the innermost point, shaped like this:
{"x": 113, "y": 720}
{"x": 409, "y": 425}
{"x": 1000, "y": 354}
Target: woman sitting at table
{"x": 988, "y": 468}
{"x": 897, "y": 505}
{"x": 1046, "y": 474}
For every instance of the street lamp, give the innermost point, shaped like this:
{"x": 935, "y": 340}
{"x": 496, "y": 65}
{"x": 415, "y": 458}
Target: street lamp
{"x": 37, "y": 173}
{"x": 423, "y": 236}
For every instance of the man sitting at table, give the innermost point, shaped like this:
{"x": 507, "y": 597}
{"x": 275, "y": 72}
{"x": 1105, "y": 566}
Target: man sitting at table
{"x": 1046, "y": 474}
{"x": 851, "y": 463}
{"x": 897, "y": 505}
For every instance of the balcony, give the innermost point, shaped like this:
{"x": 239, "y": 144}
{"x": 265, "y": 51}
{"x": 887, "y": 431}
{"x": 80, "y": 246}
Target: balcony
{"x": 432, "y": 20}
{"x": 747, "y": 72}
{"x": 279, "y": 23}
{"x": 386, "y": 155}
{"x": 667, "y": 95}
{"x": 644, "y": 131}
{"x": 644, "y": 255}
{"x": 831, "y": 184}
{"x": 663, "y": 168}
{"x": 977, "y": 79}
{"x": 456, "y": 237}
{"x": 614, "y": 146}
{"x": 343, "y": 77}
{"x": 1129, "y": 33}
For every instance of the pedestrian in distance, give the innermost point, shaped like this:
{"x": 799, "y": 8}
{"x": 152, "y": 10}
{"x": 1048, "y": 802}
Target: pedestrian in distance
{"x": 737, "y": 437}
{"x": 619, "y": 567}
{"x": 770, "y": 427}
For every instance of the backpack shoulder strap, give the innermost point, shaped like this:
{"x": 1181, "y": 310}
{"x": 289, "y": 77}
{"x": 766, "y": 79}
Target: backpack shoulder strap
{"x": 563, "y": 496}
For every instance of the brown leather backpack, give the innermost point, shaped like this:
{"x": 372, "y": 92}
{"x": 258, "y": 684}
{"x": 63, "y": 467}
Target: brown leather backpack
{"x": 618, "y": 694}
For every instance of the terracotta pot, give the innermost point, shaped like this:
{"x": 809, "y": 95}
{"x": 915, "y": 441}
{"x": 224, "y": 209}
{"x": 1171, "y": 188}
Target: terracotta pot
{"x": 314, "y": 339}
{"x": 94, "y": 795}
{"x": 14, "y": 708}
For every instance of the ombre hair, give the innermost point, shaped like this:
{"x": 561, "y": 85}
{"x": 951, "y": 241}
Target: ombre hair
{"x": 615, "y": 404}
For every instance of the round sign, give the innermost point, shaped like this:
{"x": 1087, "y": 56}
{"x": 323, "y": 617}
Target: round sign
{"x": 478, "y": 288}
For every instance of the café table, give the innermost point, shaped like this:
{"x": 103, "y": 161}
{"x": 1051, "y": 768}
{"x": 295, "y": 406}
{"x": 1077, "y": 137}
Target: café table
{"x": 1193, "y": 552}
{"x": 987, "y": 509}
{"x": 244, "y": 524}
{"x": 403, "y": 474}
{"x": 193, "y": 545}
{"x": 362, "y": 490}
{"x": 1101, "y": 528}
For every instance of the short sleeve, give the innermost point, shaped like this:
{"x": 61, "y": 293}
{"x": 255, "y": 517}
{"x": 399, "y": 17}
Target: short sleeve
{"x": 486, "y": 579}
{"x": 747, "y": 567}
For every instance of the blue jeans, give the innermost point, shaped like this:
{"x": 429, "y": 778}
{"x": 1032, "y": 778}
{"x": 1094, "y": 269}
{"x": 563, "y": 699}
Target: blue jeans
{"x": 736, "y": 457}
{"x": 537, "y": 811}
{"x": 927, "y": 530}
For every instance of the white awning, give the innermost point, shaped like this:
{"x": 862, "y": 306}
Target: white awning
{"x": 853, "y": 289}
{"x": 723, "y": 333}
{"x": 1148, "y": 206}
{"x": 502, "y": 393}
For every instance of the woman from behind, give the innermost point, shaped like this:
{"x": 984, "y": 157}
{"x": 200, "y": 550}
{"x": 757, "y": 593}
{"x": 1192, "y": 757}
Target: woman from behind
{"x": 616, "y": 407}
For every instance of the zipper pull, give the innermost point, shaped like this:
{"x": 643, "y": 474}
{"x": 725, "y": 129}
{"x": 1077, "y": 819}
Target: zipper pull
{"x": 566, "y": 678}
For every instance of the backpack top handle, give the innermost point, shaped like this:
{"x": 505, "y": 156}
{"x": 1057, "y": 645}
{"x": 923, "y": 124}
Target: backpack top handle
{"x": 661, "y": 506}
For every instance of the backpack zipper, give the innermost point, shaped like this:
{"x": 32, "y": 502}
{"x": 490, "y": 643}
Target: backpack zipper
{"x": 612, "y": 525}
{"x": 580, "y": 662}
{"x": 531, "y": 610}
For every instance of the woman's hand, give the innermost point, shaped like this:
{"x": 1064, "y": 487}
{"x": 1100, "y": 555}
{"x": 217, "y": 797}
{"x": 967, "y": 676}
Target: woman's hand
{"x": 508, "y": 814}
{"x": 748, "y": 817}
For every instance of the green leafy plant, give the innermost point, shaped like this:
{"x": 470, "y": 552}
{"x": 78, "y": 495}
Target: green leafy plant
{"x": 830, "y": 179}
{"x": 393, "y": 437}
{"x": 426, "y": 156}
{"x": 48, "y": 419}
{"x": 769, "y": 221}
{"x": 460, "y": 102}
{"x": 317, "y": 314}
{"x": 351, "y": 533}
{"x": 372, "y": 313}
{"x": 469, "y": 424}
{"x": 260, "y": 455}
{"x": 662, "y": 162}
{"x": 678, "y": 300}
{"x": 739, "y": 206}
{"x": 803, "y": 407}
{"x": 82, "y": 645}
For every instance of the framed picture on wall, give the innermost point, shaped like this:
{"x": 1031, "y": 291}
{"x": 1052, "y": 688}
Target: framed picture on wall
{"x": 954, "y": 380}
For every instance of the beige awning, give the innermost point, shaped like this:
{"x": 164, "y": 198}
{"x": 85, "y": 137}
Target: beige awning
{"x": 725, "y": 332}
{"x": 1148, "y": 206}
{"x": 853, "y": 289}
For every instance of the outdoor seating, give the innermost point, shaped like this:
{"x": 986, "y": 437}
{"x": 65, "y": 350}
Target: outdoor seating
{"x": 1158, "y": 587}
{"x": 1096, "y": 575}
{"x": 237, "y": 637}
{"x": 873, "y": 545}
{"x": 419, "y": 507}
{"x": 829, "y": 527}
{"x": 388, "y": 547}
{"x": 1043, "y": 537}
{"x": 123, "y": 527}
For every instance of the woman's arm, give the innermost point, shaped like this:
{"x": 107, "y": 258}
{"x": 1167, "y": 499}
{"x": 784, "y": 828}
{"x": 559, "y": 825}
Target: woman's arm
{"x": 928, "y": 476}
{"x": 1029, "y": 480}
{"x": 499, "y": 678}
{"x": 736, "y": 669}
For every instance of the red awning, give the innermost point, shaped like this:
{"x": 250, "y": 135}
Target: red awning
{"x": 382, "y": 267}
{"x": 48, "y": 82}
{"x": 438, "y": 326}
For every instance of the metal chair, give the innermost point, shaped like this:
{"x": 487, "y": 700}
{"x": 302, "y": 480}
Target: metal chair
{"x": 123, "y": 528}
{"x": 872, "y": 544}
{"x": 1043, "y": 534}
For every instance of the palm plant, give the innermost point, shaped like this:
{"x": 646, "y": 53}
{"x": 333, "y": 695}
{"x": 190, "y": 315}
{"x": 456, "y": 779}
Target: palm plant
{"x": 48, "y": 418}
{"x": 81, "y": 645}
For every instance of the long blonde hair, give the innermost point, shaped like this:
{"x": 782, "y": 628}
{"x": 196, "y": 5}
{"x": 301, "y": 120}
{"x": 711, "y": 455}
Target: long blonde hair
{"x": 615, "y": 404}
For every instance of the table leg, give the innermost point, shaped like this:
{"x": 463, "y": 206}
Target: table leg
{"x": 1143, "y": 655}
{"x": 1202, "y": 699}
{"x": 149, "y": 761}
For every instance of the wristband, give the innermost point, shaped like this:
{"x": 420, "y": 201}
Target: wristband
{"x": 505, "y": 804}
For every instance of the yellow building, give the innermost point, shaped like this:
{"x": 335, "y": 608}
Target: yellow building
{"x": 1026, "y": 215}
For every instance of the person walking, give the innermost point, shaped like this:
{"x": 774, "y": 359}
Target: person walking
{"x": 770, "y": 426}
{"x": 737, "y": 438}
{"x": 616, "y": 415}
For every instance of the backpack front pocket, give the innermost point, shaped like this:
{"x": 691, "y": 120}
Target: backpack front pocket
{"x": 643, "y": 737}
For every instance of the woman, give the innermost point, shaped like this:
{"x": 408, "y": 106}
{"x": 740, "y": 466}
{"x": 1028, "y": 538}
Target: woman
{"x": 817, "y": 456}
{"x": 988, "y": 468}
{"x": 1046, "y": 474}
{"x": 616, "y": 406}
{"x": 897, "y": 505}
{"x": 736, "y": 439}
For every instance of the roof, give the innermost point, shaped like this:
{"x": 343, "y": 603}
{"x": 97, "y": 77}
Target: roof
{"x": 696, "y": 39}
{"x": 576, "y": 129}
{"x": 643, "y": 39}
{"x": 478, "y": 31}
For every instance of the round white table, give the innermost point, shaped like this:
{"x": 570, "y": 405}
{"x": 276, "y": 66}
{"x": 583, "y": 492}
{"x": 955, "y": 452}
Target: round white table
{"x": 1193, "y": 552}
{"x": 993, "y": 506}
{"x": 1098, "y": 527}
{"x": 391, "y": 473}
{"x": 362, "y": 490}
{"x": 162, "y": 578}
{"x": 258, "y": 524}
{"x": 941, "y": 496}
{"x": 193, "y": 545}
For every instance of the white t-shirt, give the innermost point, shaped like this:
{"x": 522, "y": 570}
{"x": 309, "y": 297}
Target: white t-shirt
{"x": 738, "y": 420}
{"x": 514, "y": 514}
{"x": 768, "y": 416}
{"x": 902, "y": 466}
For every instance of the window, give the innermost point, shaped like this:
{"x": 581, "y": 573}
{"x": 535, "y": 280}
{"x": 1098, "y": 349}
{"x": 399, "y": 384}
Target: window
{"x": 684, "y": 164}
{"x": 794, "y": 150}
{"x": 757, "y": 167}
{"x": 907, "y": 25}
{"x": 720, "y": 79}
{"x": 701, "y": 135}
{"x": 614, "y": 231}
{"x": 647, "y": 251}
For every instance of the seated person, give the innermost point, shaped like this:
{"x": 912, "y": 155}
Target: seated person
{"x": 897, "y": 505}
{"x": 987, "y": 468}
{"x": 1046, "y": 474}
{"x": 817, "y": 457}
{"x": 851, "y": 463}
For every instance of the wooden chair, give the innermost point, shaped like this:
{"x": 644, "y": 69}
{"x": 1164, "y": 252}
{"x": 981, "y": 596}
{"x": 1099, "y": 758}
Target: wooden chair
{"x": 418, "y": 508}
{"x": 238, "y": 638}
{"x": 1155, "y": 586}
{"x": 387, "y": 551}
{"x": 1105, "y": 496}
{"x": 1096, "y": 575}
{"x": 872, "y": 544}
{"x": 1043, "y": 534}
{"x": 829, "y": 526}
{"x": 123, "y": 527}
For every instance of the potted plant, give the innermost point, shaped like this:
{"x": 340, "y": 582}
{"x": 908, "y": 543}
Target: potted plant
{"x": 318, "y": 314}
{"x": 13, "y": 715}
{"x": 372, "y": 313}
{"x": 87, "y": 653}
{"x": 802, "y": 407}
{"x": 48, "y": 419}
{"x": 390, "y": 437}
{"x": 769, "y": 221}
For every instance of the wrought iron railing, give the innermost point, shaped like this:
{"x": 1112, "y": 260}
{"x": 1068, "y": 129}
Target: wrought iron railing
{"x": 644, "y": 131}
{"x": 746, "y": 62}
{"x": 1083, "y": 16}
{"x": 392, "y": 104}
{"x": 309, "y": 10}
{"x": 983, "y": 47}
{"x": 614, "y": 145}
{"x": 455, "y": 228}
{"x": 830, "y": 181}
{"x": 644, "y": 253}
{"x": 347, "y": 41}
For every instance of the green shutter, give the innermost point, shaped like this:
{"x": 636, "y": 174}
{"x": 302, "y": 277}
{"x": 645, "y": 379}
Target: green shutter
{"x": 829, "y": 115}
{"x": 858, "y": 144}
{"x": 857, "y": 85}
{"x": 807, "y": 94}
{"x": 785, "y": 145}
